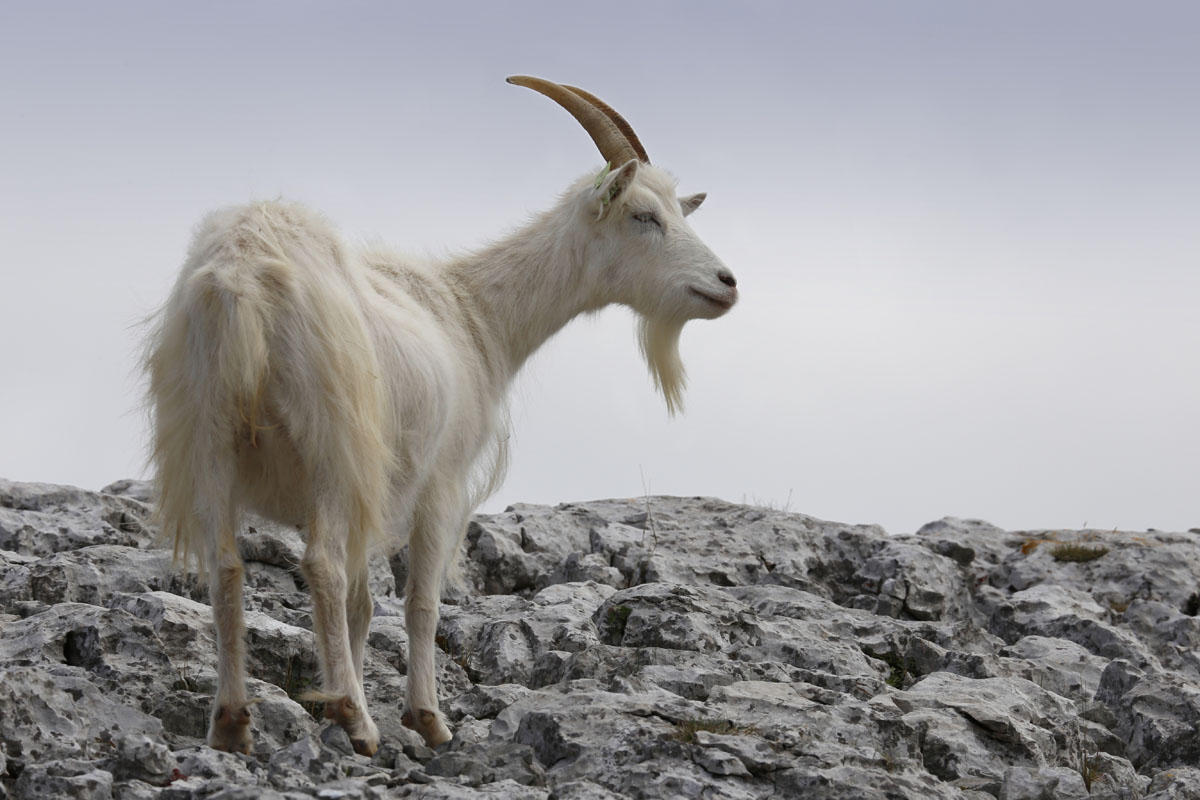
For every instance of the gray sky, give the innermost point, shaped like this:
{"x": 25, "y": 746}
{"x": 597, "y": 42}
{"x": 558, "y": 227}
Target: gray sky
{"x": 967, "y": 234}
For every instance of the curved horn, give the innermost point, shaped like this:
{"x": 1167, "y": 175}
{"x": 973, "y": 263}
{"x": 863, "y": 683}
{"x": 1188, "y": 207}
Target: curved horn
{"x": 613, "y": 145}
{"x": 616, "y": 118}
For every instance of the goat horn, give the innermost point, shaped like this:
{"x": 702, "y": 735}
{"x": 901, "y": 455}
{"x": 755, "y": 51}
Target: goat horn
{"x": 605, "y": 132}
{"x": 616, "y": 118}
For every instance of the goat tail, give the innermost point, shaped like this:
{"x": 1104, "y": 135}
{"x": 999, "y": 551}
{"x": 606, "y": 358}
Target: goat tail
{"x": 207, "y": 359}
{"x": 266, "y": 285}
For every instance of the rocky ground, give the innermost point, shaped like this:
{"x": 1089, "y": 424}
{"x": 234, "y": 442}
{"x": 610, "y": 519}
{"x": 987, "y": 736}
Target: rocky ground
{"x": 660, "y": 647}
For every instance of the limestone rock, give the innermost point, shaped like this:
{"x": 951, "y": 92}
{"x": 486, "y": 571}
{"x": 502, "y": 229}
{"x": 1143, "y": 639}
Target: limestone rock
{"x": 651, "y": 647}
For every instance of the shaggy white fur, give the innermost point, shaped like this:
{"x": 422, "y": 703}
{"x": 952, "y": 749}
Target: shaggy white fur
{"x": 357, "y": 394}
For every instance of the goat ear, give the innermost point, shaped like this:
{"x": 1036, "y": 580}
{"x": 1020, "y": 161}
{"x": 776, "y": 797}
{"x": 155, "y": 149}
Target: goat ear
{"x": 691, "y": 203}
{"x": 612, "y": 184}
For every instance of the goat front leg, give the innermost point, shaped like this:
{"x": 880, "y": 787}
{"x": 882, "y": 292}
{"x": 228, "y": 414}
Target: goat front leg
{"x": 229, "y": 728}
{"x": 430, "y": 550}
{"x": 324, "y": 567}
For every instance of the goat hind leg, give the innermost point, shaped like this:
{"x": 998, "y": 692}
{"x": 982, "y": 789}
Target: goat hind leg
{"x": 360, "y": 607}
{"x": 229, "y": 728}
{"x": 429, "y": 552}
{"x": 324, "y": 566}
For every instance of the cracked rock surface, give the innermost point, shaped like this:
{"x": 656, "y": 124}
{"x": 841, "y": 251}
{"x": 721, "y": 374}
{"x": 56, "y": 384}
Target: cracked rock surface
{"x": 654, "y": 647}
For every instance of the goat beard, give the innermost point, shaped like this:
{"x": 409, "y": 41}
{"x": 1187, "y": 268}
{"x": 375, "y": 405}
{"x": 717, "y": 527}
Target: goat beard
{"x": 659, "y": 340}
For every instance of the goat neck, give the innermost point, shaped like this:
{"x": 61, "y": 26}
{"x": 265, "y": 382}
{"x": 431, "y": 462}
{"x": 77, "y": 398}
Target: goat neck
{"x": 531, "y": 283}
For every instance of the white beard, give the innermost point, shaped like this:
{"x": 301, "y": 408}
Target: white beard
{"x": 659, "y": 341}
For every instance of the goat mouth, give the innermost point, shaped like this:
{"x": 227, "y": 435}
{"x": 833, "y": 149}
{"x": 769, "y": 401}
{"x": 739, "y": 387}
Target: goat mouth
{"x": 716, "y": 301}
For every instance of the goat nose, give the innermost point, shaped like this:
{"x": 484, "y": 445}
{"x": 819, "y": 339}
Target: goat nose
{"x": 727, "y": 279}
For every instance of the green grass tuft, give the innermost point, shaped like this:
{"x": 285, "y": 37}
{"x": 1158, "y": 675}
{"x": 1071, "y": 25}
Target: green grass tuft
{"x": 686, "y": 729}
{"x": 618, "y": 617}
{"x": 1192, "y": 606}
{"x": 898, "y": 671}
{"x": 1071, "y": 551}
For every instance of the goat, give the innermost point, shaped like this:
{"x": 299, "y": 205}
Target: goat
{"x": 360, "y": 394}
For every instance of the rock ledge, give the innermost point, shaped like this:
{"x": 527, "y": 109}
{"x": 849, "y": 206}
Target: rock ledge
{"x": 654, "y": 647}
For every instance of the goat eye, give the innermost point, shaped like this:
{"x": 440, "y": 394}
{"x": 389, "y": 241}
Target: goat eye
{"x": 647, "y": 217}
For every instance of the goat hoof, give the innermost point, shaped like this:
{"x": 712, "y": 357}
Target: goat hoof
{"x": 429, "y": 724}
{"x": 230, "y": 730}
{"x": 364, "y": 747}
{"x": 364, "y": 736}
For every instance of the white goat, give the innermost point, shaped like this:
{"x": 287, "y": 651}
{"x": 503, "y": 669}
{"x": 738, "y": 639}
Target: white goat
{"x": 357, "y": 393}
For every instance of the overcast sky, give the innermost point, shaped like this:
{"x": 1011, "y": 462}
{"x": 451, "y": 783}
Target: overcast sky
{"x": 967, "y": 235}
